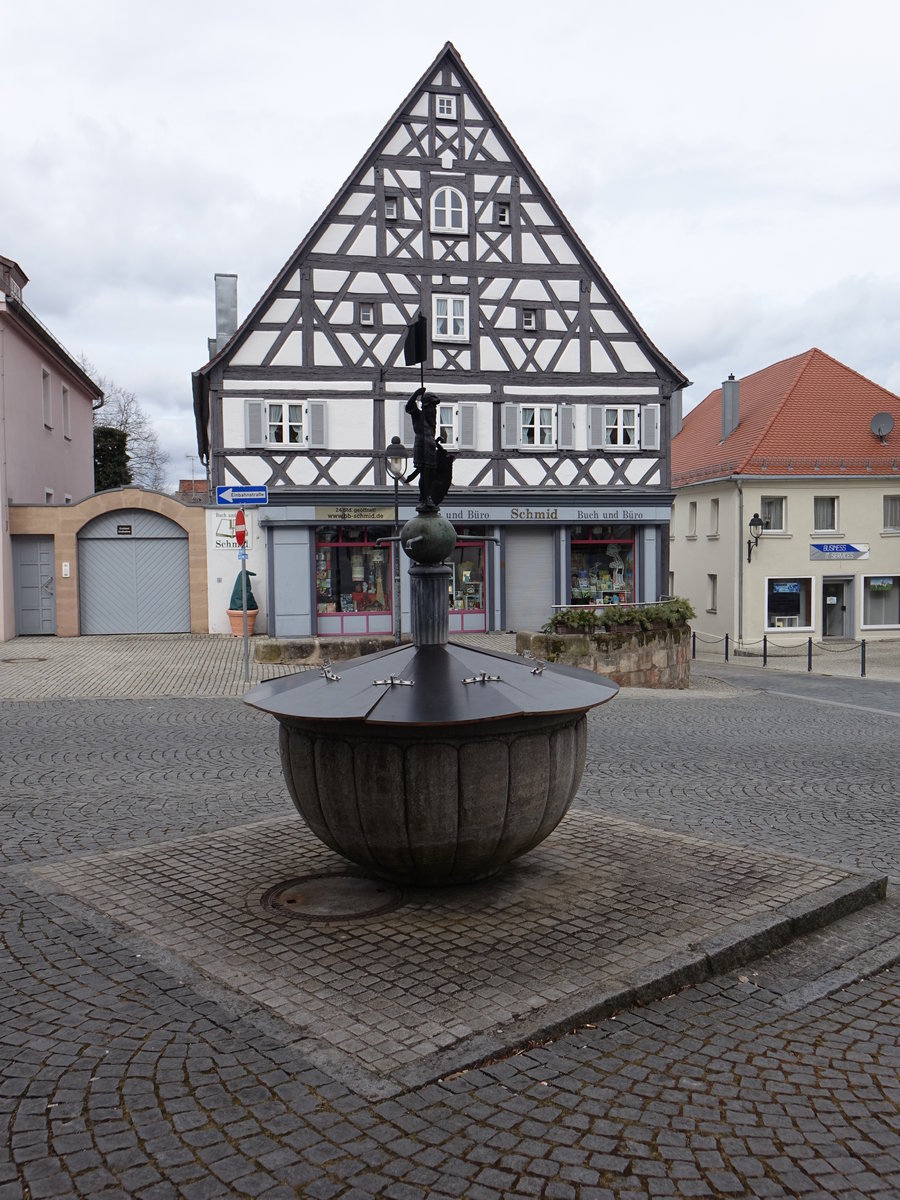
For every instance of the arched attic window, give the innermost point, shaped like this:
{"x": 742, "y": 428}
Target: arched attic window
{"x": 449, "y": 211}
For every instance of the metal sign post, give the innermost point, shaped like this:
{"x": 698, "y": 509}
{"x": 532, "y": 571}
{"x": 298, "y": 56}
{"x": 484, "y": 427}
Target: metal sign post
{"x": 240, "y": 536}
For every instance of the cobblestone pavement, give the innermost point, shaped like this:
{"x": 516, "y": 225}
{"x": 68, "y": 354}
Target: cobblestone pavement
{"x": 125, "y": 1073}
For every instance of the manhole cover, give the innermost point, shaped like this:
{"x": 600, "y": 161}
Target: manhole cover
{"x": 332, "y": 897}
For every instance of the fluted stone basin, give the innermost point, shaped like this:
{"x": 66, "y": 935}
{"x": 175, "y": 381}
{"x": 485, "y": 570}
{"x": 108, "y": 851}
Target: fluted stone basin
{"x": 434, "y": 764}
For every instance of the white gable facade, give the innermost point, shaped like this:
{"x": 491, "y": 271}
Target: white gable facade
{"x": 553, "y": 401}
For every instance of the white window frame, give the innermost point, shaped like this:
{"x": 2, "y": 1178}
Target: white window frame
{"x": 530, "y": 319}
{"x": 770, "y": 502}
{"x": 692, "y": 519}
{"x": 833, "y": 527}
{"x": 391, "y": 208}
{"x": 47, "y": 398}
{"x": 262, "y": 416}
{"x": 502, "y": 212}
{"x": 66, "y": 414}
{"x": 447, "y": 415}
{"x": 449, "y": 317}
{"x": 614, "y": 422}
{"x": 446, "y": 193}
{"x": 457, "y": 422}
{"x": 713, "y": 517}
{"x": 289, "y": 417}
{"x": 537, "y": 427}
{"x": 445, "y": 107}
{"x": 367, "y": 312}
{"x": 712, "y": 593}
{"x": 891, "y": 513}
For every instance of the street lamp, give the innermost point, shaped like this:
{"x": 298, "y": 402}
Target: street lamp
{"x": 397, "y": 455}
{"x": 757, "y": 525}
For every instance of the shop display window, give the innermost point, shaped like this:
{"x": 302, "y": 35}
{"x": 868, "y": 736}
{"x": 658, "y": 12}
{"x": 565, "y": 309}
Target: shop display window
{"x": 601, "y": 561}
{"x": 789, "y": 603}
{"x": 353, "y": 575}
{"x": 881, "y": 600}
{"x": 467, "y": 585}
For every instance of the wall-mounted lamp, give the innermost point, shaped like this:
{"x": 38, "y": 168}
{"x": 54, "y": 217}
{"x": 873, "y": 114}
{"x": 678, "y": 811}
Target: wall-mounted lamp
{"x": 757, "y": 525}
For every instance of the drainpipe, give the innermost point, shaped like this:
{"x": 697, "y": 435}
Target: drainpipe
{"x": 740, "y": 563}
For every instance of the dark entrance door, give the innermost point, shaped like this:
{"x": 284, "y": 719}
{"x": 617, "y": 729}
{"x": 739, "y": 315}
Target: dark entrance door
{"x": 835, "y": 615}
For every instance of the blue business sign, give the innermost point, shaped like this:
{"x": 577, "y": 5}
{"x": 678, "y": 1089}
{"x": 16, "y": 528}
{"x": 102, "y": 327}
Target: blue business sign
{"x": 242, "y": 494}
{"x": 838, "y": 550}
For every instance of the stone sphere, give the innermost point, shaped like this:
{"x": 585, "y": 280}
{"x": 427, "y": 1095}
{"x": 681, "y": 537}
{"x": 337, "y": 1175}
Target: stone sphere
{"x": 438, "y": 537}
{"x": 434, "y": 806}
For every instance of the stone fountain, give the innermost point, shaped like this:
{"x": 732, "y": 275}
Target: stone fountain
{"x": 433, "y": 763}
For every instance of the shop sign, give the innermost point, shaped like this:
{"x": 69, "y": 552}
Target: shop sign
{"x": 225, "y": 536}
{"x": 353, "y": 512}
{"x": 556, "y": 514}
{"x": 839, "y": 550}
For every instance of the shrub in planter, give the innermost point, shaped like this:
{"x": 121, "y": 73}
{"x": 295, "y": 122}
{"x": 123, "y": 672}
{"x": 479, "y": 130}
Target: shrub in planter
{"x": 236, "y": 607}
{"x": 665, "y": 615}
{"x": 236, "y": 601}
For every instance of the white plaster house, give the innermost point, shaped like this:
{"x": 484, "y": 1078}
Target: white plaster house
{"x": 811, "y": 448}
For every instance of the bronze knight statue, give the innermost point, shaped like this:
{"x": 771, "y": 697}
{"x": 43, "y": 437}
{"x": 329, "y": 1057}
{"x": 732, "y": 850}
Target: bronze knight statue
{"x": 433, "y": 464}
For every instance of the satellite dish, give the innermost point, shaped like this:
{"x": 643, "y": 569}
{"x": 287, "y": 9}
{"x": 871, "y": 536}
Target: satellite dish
{"x": 882, "y": 424}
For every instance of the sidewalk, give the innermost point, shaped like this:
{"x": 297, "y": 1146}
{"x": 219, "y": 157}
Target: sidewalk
{"x": 133, "y": 666}
{"x": 836, "y": 657}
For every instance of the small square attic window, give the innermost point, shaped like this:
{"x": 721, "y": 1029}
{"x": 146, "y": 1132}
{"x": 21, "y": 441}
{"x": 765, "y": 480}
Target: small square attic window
{"x": 446, "y": 106}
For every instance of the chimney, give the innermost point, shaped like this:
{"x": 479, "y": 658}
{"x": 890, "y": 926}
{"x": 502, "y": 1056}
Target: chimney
{"x": 226, "y": 311}
{"x": 731, "y": 406}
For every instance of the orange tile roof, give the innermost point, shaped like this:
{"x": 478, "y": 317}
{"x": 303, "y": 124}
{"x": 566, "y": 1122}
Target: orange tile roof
{"x": 805, "y": 415}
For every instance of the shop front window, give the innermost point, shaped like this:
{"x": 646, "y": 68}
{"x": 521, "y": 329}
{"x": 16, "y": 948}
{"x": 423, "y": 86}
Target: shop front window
{"x": 881, "y": 600}
{"x": 468, "y": 607}
{"x": 353, "y": 580}
{"x": 602, "y": 564}
{"x": 789, "y": 603}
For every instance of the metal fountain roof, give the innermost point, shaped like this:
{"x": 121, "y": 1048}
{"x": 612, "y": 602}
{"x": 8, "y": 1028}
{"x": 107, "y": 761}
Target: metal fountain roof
{"x": 449, "y": 684}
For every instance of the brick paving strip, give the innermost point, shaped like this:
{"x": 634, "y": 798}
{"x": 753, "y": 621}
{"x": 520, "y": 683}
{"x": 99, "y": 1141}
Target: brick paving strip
{"x": 606, "y": 914}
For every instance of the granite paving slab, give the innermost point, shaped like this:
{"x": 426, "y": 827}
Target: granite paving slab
{"x": 604, "y": 914}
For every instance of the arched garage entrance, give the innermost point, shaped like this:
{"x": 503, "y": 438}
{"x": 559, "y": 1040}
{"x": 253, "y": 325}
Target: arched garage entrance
{"x": 133, "y": 574}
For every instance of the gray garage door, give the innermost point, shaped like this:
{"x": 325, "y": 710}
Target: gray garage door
{"x": 529, "y": 578}
{"x": 133, "y": 574}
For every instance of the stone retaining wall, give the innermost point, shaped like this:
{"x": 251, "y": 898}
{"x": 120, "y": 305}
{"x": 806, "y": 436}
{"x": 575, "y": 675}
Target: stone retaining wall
{"x": 312, "y": 651}
{"x": 646, "y": 658}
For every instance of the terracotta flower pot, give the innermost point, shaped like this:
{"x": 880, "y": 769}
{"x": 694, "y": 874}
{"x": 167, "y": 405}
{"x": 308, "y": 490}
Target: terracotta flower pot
{"x": 236, "y": 619}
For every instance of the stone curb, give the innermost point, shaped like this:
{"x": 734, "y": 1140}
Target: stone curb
{"x": 746, "y": 941}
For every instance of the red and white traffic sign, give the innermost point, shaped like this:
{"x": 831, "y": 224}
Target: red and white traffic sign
{"x": 240, "y": 527}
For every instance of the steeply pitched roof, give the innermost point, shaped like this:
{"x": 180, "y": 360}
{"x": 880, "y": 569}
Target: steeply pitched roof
{"x": 448, "y": 57}
{"x": 806, "y": 415}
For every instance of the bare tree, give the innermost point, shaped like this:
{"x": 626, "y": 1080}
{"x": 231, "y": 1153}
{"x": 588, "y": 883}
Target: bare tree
{"x": 121, "y": 410}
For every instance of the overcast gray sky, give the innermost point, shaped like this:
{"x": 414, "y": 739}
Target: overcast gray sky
{"x": 733, "y": 168}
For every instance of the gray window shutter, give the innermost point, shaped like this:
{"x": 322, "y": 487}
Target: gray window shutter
{"x": 316, "y": 423}
{"x": 466, "y": 428}
{"x": 255, "y": 420}
{"x": 565, "y": 438}
{"x": 595, "y": 426}
{"x": 407, "y": 436}
{"x": 650, "y": 427}
{"x": 510, "y": 431}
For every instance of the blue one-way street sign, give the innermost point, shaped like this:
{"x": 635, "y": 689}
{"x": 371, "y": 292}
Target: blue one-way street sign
{"x": 242, "y": 494}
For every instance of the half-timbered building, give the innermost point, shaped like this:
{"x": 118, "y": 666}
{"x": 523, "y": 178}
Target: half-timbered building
{"x": 553, "y": 400}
